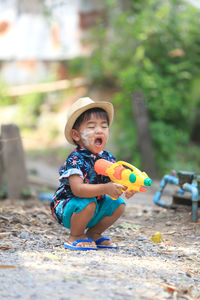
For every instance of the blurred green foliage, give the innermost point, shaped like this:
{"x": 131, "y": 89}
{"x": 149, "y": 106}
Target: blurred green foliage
{"x": 76, "y": 66}
{"x": 152, "y": 47}
{"x": 29, "y": 109}
{"x": 4, "y": 98}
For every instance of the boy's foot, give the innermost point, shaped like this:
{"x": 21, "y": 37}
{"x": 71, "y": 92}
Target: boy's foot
{"x": 100, "y": 240}
{"x": 81, "y": 242}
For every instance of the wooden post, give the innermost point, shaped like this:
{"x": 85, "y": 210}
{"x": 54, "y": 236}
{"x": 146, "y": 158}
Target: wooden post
{"x": 13, "y": 161}
{"x": 1, "y": 163}
{"x": 140, "y": 113}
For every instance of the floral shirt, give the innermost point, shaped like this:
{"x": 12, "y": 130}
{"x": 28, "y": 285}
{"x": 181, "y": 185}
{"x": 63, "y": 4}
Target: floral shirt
{"x": 80, "y": 162}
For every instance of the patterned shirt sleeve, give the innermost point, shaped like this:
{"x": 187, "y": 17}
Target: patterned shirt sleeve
{"x": 73, "y": 166}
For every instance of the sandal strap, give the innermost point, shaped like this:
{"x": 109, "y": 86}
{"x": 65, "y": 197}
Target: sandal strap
{"x": 81, "y": 240}
{"x": 99, "y": 241}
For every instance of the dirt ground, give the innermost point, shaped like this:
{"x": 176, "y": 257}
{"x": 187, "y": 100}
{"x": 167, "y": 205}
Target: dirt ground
{"x": 35, "y": 265}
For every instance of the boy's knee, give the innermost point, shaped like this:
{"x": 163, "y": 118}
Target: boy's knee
{"x": 90, "y": 208}
{"x": 120, "y": 210}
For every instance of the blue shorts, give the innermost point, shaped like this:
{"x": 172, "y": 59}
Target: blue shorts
{"x": 104, "y": 208}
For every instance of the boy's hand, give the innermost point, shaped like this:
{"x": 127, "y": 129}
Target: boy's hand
{"x": 113, "y": 190}
{"x": 129, "y": 194}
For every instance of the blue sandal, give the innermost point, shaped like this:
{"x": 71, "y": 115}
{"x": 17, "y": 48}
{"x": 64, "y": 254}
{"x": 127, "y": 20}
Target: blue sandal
{"x": 72, "y": 246}
{"x": 105, "y": 238}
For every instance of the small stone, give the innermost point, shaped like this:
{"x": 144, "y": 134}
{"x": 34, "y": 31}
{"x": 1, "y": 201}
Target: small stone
{"x": 168, "y": 223}
{"x": 24, "y": 235}
{"x": 188, "y": 274}
{"x": 142, "y": 237}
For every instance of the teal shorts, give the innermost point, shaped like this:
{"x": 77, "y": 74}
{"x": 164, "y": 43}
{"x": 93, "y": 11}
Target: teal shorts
{"x": 104, "y": 208}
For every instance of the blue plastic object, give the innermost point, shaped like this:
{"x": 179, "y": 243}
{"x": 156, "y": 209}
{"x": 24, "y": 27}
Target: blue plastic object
{"x": 190, "y": 187}
{"x": 195, "y": 197}
{"x": 166, "y": 179}
{"x": 45, "y": 197}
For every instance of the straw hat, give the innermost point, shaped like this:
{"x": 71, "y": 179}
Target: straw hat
{"x": 80, "y": 106}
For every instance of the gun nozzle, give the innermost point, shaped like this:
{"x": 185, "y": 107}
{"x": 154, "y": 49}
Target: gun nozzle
{"x": 148, "y": 182}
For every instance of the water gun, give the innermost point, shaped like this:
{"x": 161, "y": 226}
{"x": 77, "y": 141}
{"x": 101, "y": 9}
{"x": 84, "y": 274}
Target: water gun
{"x": 123, "y": 174}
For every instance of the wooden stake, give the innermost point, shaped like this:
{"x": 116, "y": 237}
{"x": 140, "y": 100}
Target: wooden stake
{"x": 1, "y": 162}
{"x": 13, "y": 161}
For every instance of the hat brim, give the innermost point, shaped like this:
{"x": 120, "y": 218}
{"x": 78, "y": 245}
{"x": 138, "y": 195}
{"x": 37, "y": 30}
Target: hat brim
{"x": 107, "y": 106}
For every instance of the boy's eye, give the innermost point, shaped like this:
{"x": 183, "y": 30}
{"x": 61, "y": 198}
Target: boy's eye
{"x": 91, "y": 127}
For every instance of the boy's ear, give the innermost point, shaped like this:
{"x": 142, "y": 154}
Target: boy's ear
{"x": 75, "y": 135}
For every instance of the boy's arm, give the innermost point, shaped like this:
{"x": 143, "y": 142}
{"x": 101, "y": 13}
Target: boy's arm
{"x": 84, "y": 190}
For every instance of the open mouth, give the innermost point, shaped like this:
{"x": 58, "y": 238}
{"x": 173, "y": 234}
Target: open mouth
{"x": 98, "y": 141}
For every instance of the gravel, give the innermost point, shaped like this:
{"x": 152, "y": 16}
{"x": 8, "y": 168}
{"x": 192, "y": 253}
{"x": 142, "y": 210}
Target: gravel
{"x": 35, "y": 265}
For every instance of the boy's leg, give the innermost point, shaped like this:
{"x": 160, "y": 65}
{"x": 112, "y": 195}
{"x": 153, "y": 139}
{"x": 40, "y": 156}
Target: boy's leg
{"x": 96, "y": 231}
{"x": 79, "y": 222}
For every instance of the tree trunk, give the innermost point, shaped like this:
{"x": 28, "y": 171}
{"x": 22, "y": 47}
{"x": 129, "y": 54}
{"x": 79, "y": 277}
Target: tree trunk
{"x": 140, "y": 113}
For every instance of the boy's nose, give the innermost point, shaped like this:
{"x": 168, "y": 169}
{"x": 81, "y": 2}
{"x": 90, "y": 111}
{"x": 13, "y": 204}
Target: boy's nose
{"x": 99, "y": 129}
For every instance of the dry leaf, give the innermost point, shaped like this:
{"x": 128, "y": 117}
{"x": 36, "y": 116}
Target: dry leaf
{"x": 52, "y": 256}
{"x": 170, "y": 288}
{"x": 6, "y": 247}
{"x": 6, "y": 267}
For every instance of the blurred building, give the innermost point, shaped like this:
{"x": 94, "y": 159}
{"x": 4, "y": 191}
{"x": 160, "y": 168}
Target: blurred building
{"x": 37, "y": 36}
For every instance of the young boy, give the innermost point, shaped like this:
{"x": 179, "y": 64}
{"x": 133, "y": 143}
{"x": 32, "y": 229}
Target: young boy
{"x": 83, "y": 200}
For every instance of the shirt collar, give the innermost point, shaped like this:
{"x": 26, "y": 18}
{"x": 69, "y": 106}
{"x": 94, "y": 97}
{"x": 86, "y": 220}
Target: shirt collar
{"x": 87, "y": 153}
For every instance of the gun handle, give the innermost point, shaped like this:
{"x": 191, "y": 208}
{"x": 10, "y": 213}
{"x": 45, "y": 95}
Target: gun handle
{"x": 121, "y": 188}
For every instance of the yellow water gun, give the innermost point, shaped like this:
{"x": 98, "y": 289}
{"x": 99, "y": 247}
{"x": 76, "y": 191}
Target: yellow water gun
{"x": 124, "y": 174}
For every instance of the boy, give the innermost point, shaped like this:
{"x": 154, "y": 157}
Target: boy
{"x": 83, "y": 200}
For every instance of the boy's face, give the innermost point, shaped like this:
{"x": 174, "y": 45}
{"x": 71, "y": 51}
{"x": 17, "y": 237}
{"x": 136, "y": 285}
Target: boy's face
{"x": 92, "y": 134}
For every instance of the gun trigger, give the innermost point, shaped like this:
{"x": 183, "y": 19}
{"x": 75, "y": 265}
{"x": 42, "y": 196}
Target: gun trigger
{"x": 122, "y": 187}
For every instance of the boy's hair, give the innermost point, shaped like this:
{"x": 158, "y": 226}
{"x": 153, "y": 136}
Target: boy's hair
{"x": 85, "y": 116}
